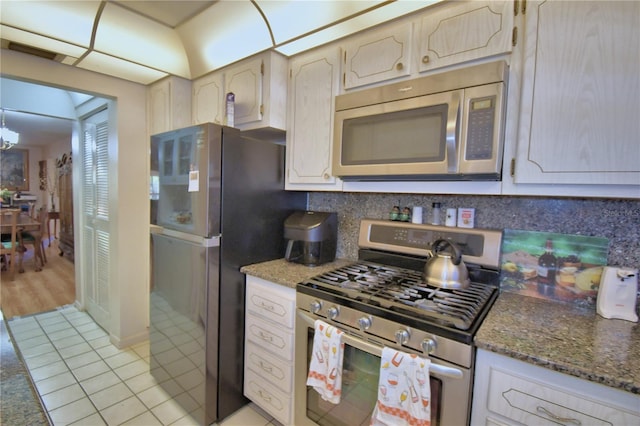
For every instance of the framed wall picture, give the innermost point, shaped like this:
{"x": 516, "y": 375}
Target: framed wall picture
{"x": 14, "y": 169}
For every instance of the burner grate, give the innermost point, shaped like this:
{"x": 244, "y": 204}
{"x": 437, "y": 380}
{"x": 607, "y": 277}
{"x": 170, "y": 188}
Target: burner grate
{"x": 404, "y": 290}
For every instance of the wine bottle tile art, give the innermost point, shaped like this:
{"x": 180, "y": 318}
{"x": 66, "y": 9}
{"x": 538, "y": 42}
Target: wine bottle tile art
{"x": 559, "y": 267}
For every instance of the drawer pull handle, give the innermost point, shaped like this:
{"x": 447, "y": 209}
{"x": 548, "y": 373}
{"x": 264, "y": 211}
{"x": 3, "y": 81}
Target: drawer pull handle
{"x": 562, "y": 420}
{"x": 266, "y": 337}
{"x": 264, "y": 396}
{"x": 265, "y": 367}
{"x": 267, "y": 307}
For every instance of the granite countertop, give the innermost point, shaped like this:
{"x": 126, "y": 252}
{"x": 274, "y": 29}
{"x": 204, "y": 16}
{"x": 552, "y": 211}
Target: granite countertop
{"x": 564, "y": 338}
{"x": 289, "y": 274}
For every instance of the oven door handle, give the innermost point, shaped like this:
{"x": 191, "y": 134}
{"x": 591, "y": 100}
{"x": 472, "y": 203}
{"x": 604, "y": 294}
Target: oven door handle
{"x": 376, "y": 350}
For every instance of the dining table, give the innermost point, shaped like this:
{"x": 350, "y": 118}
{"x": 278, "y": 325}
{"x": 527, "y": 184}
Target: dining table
{"x": 26, "y": 223}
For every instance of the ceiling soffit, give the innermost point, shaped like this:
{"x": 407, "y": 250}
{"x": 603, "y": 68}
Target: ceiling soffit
{"x": 144, "y": 41}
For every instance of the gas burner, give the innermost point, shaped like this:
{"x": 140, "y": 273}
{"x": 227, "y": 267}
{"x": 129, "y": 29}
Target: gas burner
{"x": 385, "y": 285}
{"x": 405, "y": 291}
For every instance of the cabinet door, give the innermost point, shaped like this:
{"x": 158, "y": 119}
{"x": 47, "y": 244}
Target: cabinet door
{"x": 245, "y": 81}
{"x": 313, "y": 82}
{"x": 208, "y": 99}
{"x": 169, "y": 105}
{"x": 580, "y": 95}
{"x": 463, "y": 31}
{"x": 378, "y": 56}
{"x": 158, "y": 99}
{"x": 509, "y": 391}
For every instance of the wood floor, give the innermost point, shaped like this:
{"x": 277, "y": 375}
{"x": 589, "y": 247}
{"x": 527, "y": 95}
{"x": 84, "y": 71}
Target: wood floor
{"x": 33, "y": 292}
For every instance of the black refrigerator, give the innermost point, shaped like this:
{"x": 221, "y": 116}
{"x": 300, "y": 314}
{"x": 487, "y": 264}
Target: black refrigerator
{"x": 218, "y": 203}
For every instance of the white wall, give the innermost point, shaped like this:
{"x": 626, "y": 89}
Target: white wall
{"x": 130, "y": 223}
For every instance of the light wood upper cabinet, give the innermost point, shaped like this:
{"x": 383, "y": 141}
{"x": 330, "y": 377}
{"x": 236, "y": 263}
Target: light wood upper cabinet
{"x": 313, "y": 83}
{"x": 208, "y": 99}
{"x": 379, "y": 55}
{"x": 260, "y": 88}
{"x": 457, "y": 32}
{"x": 579, "y": 118}
{"x": 168, "y": 105}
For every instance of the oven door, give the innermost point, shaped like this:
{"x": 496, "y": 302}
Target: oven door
{"x": 450, "y": 384}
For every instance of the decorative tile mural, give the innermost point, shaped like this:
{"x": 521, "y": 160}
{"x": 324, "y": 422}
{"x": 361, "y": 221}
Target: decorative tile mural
{"x": 553, "y": 266}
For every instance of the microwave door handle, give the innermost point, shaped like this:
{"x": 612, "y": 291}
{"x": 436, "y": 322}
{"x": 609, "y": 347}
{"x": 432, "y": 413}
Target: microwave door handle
{"x": 453, "y": 131}
{"x": 376, "y": 350}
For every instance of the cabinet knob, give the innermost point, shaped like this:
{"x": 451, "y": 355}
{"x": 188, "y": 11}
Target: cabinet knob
{"x": 326, "y": 176}
{"x": 425, "y": 59}
{"x": 399, "y": 66}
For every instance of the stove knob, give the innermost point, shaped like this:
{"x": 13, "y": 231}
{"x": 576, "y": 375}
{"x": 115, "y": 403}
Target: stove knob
{"x": 364, "y": 323}
{"x": 402, "y": 337}
{"x": 429, "y": 346}
{"x": 333, "y": 312}
{"x": 315, "y": 306}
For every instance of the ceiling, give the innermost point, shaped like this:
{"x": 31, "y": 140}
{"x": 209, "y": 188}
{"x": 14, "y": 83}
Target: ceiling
{"x": 144, "y": 41}
{"x": 37, "y": 130}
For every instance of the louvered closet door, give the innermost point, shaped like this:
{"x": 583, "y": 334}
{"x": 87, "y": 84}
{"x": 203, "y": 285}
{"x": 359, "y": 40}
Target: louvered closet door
{"x": 95, "y": 208}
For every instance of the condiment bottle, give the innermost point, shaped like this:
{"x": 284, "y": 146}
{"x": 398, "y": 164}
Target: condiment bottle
{"x": 435, "y": 214}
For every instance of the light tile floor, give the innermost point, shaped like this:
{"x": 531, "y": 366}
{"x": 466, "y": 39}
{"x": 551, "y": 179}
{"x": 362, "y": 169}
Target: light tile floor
{"x": 83, "y": 379}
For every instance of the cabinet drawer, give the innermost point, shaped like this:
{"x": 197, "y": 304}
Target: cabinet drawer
{"x": 268, "y": 336}
{"x": 271, "y": 301}
{"x": 275, "y": 370}
{"x": 531, "y": 402}
{"x": 267, "y": 397}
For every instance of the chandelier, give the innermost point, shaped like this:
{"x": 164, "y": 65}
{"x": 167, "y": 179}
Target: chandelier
{"x": 8, "y": 138}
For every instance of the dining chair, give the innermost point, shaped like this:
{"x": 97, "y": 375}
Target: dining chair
{"x": 36, "y": 239}
{"x": 9, "y": 240}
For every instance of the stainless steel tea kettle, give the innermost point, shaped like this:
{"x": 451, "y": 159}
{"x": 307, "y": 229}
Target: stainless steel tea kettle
{"x": 446, "y": 269}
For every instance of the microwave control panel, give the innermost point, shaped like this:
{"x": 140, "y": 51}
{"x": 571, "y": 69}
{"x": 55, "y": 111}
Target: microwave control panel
{"x": 480, "y": 128}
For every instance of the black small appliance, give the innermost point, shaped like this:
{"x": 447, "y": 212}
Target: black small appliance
{"x": 312, "y": 237}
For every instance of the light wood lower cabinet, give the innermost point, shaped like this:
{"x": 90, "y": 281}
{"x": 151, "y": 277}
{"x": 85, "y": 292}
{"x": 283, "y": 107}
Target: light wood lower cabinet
{"x": 511, "y": 392}
{"x": 268, "y": 355}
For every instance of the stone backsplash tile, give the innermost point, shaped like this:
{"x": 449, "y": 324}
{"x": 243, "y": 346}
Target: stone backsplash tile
{"x": 617, "y": 220}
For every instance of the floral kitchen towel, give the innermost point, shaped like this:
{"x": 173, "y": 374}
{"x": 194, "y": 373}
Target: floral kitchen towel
{"x": 325, "y": 368}
{"x": 404, "y": 393}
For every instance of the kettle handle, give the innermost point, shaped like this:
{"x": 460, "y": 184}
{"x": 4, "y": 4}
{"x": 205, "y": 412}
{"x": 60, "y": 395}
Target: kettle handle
{"x": 440, "y": 244}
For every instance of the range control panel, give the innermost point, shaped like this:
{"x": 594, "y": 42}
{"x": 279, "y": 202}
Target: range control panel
{"x": 479, "y": 246}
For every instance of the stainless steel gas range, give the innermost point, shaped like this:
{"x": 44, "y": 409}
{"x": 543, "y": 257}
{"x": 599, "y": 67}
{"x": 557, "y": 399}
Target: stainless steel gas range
{"x": 382, "y": 300}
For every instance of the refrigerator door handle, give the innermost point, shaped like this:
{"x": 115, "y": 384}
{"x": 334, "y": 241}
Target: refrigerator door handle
{"x": 195, "y": 239}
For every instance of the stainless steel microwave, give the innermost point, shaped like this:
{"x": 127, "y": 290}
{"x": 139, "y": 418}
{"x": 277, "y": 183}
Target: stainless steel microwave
{"x": 446, "y": 126}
